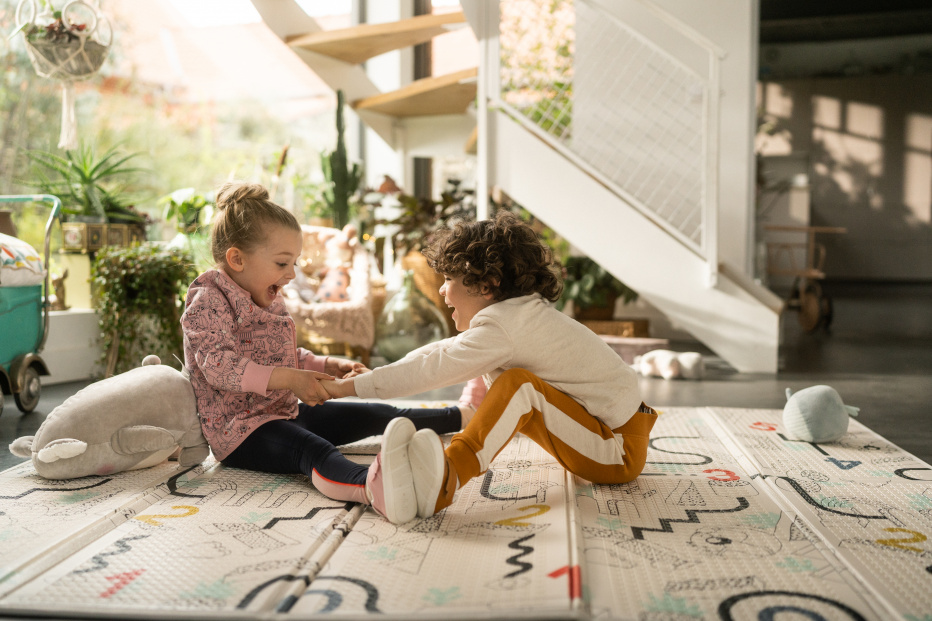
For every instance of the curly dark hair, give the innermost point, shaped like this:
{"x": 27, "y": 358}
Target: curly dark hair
{"x": 502, "y": 253}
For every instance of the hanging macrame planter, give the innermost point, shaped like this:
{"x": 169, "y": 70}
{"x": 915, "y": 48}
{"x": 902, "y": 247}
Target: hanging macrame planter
{"x": 66, "y": 45}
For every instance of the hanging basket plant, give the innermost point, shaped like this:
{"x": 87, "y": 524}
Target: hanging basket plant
{"x": 66, "y": 45}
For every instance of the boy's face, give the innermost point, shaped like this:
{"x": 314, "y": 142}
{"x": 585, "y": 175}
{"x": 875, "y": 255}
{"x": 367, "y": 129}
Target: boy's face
{"x": 465, "y": 304}
{"x": 268, "y": 267}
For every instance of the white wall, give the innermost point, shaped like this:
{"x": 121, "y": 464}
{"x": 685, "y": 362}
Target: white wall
{"x": 71, "y": 351}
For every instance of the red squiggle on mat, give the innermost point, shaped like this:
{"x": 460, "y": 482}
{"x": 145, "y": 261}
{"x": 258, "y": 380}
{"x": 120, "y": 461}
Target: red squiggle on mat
{"x": 575, "y": 579}
{"x": 763, "y": 426}
{"x": 121, "y": 580}
{"x": 727, "y": 475}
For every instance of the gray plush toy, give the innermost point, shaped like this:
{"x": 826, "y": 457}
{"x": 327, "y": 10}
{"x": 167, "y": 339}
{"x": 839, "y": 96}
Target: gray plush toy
{"x": 816, "y": 414}
{"x": 133, "y": 420}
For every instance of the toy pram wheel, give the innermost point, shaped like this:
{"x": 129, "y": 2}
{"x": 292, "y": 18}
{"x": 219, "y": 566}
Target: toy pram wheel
{"x": 828, "y": 313}
{"x": 28, "y": 397}
{"x": 810, "y": 307}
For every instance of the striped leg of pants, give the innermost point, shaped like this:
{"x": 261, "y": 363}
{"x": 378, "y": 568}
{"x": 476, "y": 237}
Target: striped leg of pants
{"x": 580, "y": 442}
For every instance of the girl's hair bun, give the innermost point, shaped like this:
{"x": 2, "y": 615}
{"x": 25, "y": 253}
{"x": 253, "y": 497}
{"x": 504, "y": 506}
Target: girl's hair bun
{"x": 234, "y": 193}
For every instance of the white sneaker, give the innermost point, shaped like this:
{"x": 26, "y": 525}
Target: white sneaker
{"x": 425, "y": 453}
{"x": 391, "y": 484}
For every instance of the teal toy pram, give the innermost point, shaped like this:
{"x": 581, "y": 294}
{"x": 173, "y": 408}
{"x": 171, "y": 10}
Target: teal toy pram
{"x": 24, "y": 324}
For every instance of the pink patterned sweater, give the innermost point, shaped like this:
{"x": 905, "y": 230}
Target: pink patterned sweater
{"x": 231, "y": 346}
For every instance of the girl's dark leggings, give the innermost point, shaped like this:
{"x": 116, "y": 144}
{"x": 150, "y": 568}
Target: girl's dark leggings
{"x": 306, "y": 443}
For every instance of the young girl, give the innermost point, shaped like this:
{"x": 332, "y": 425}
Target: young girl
{"x": 248, "y": 375}
{"x": 548, "y": 376}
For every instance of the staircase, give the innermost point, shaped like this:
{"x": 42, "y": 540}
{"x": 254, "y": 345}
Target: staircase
{"x": 430, "y": 117}
{"x": 633, "y": 150}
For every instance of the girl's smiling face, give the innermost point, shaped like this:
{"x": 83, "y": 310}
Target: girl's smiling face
{"x": 465, "y": 304}
{"x": 268, "y": 267}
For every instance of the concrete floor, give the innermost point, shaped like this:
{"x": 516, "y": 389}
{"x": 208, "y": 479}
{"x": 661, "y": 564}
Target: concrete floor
{"x": 878, "y": 356}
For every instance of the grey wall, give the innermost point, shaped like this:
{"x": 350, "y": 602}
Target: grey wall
{"x": 868, "y": 142}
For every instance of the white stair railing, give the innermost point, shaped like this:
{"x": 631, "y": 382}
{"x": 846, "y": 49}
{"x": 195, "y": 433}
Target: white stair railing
{"x": 640, "y": 118}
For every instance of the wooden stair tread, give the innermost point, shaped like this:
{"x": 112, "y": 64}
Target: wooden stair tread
{"x": 360, "y": 43}
{"x": 445, "y": 94}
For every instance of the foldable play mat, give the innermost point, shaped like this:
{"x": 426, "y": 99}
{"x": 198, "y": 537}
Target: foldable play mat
{"x": 730, "y": 520}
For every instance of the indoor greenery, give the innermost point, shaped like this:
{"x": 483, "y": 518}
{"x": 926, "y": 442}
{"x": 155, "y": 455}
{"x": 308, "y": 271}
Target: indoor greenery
{"x": 191, "y": 212}
{"x": 588, "y": 284}
{"x": 342, "y": 179}
{"x": 418, "y": 218}
{"x": 87, "y": 184}
{"x": 188, "y": 207}
{"x": 137, "y": 290}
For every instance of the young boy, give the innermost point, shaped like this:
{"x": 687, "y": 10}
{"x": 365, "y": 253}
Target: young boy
{"x": 548, "y": 376}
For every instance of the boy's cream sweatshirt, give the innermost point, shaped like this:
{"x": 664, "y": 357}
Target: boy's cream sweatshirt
{"x": 526, "y": 333}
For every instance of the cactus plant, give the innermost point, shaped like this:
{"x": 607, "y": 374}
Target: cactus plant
{"x": 342, "y": 180}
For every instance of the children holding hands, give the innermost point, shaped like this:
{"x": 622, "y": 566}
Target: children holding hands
{"x": 264, "y": 403}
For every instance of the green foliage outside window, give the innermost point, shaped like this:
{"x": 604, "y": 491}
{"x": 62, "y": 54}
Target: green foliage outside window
{"x": 138, "y": 289}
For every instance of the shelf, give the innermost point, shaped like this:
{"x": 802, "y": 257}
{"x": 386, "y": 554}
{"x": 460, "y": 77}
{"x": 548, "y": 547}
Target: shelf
{"x": 360, "y": 43}
{"x": 446, "y": 94}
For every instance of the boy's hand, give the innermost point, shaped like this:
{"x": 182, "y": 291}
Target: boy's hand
{"x": 304, "y": 384}
{"x": 340, "y": 367}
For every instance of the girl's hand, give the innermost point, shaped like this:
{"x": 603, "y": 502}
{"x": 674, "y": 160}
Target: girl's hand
{"x": 340, "y": 367}
{"x": 304, "y": 384}
{"x": 356, "y": 372}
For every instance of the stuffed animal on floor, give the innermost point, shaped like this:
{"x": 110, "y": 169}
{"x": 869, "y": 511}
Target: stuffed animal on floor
{"x": 133, "y": 420}
{"x": 670, "y": 364}
{"x": 816, "y": 414}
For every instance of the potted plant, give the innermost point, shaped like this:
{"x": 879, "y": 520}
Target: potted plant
{"x": 137, "y": 292}
{"x": 343, "y": 178}
{"x": 65, "y": 44}
{"x": 191, "y": 211}
{"x": 418, "y": 218}
{"x": 592, "y": 289}
{"x": 92, "y": 191}
{"x": 88, "y": 186}
{"x": 413, "y": 220}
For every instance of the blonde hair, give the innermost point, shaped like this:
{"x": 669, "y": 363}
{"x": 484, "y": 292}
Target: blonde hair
{"x": 243, "y": 212}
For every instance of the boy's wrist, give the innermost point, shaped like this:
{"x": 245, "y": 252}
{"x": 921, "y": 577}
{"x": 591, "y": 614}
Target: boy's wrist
{"x": 339, "y": 388}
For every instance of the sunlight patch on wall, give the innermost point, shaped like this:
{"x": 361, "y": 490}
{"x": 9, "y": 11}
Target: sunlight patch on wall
{"x": 826, "y": 112}
{"x": 856, "y": 162}
{"x": 917, "y": 193}
{"x": 864, "y": 120}
{"x": 917, "y": 167}
{"x": 778, "y": 101}
{"x": 919, "y": 132}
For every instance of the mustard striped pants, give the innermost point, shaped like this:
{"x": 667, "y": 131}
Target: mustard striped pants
{"x": 520, "y": 401}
